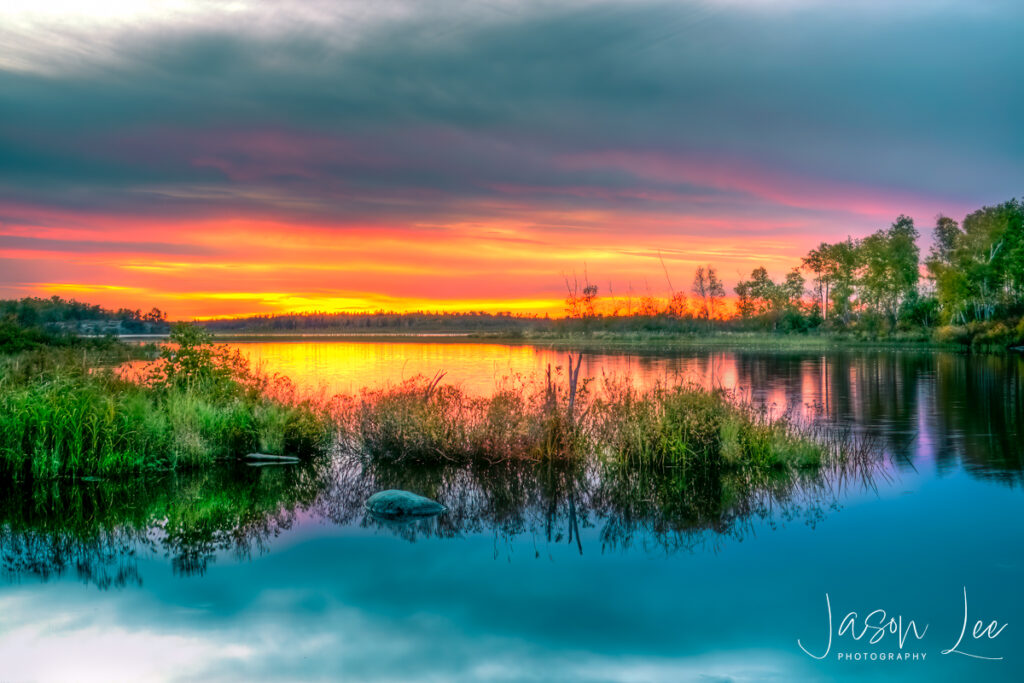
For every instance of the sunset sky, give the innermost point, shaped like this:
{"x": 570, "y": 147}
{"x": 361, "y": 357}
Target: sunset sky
{"x": 242, "y": 157}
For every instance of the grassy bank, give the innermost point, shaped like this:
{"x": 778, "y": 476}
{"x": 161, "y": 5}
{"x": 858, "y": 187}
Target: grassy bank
{"x": 64, "y": 414}
{"x": 751, "y": 341}
{"x": 61, "y": 415}
{"x": 639, "y": 340}
{"x": 658, "y": 334}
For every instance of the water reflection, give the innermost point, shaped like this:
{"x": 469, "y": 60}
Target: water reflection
{"x": 941, "y": 407}
{"x": 98, "y": 531}
{"x": 341, "y": 595}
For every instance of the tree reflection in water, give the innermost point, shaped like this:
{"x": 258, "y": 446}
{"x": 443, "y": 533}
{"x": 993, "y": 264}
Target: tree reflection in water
{"x": 955, "y": 410}
{"x": 101, "y": 530}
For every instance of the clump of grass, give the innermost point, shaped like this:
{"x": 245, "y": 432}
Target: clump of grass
{"x": 197, "y": 406}
{"x": 676, "y": 427}
{"x": 423, "y": 421}
{"x": 696, "y": 433}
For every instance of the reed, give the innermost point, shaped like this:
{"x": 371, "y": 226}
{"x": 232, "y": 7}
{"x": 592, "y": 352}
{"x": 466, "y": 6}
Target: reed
{"x": 62, "y": 416}
{"x": 687, "y": 430}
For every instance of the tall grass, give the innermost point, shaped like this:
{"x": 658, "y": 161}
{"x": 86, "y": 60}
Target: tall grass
{"x": 690, "y": 431}
{"x": 60, "y": 417}
{"x": 424, "y": 422}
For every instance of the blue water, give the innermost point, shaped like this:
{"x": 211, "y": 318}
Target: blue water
{"x": 329, "y": 595}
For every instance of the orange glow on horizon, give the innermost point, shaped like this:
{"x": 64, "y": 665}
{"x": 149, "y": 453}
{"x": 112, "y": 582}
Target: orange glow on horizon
{"x": 507, "y": 252}
{"x": 201, "y": 269}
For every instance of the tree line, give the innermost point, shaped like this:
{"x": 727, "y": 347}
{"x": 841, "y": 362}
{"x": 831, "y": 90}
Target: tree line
{"x": 969, "y": 288}
{"x": 56, "y": 312}
{"x": 377, "y": 321}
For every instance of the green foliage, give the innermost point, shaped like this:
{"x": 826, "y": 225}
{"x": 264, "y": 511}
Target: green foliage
{"x": 422, "y": 421}
{"x": 979, "y": 269}
{"x": 56, "y": 316}
{"x": 775, "y": 304}
{"x": 94, "y": 528}
{"x": 889, "y": 274}
{"x": 698, "y": 434}
{"x": 16, "y": 337}
{"x": 59, "y": 417}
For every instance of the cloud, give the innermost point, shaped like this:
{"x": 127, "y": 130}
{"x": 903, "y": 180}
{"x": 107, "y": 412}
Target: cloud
{"x": 404, "y": 117}
{"x": 34, "y": 244}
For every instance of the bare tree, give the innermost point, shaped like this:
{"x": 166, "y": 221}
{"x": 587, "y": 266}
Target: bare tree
{"x": 700, "y": 290}
{"x": 710, "y": 290}
{"x": 572, "y": 298}
{"x": 716, "y": 291}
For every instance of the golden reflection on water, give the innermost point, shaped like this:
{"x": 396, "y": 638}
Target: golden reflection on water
{"x": 347, "y": 367}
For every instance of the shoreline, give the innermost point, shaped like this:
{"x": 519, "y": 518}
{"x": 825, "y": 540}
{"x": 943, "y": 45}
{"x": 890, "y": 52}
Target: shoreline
{"x": 653, "y": 342}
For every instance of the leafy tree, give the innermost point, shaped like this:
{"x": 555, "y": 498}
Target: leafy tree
{"x": 745, "y": 303}
{"x": 817, "y": 262}
{"x": 841, "y": 262}
{"x": 980, "y": 268}
{"x": 890, "y": 267}
{"x": 761, "y": 297}
{"x": 946, "y": 235}
{"x": 792, "y": 290}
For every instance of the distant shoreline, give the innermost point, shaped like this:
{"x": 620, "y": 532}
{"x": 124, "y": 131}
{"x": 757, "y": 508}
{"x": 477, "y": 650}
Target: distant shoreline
{"x": 600, "y": 341}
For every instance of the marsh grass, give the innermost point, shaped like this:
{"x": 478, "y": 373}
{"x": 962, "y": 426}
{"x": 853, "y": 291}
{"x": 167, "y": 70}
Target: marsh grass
{"x": 686, "y": 434}
{"x": 62, "y": 416}
{"x": 423, "y": 421}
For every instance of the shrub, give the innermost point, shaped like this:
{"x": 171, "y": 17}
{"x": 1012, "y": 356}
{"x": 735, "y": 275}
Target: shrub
{"x": 992, "y": 336}
{"x": 953, "y": 334}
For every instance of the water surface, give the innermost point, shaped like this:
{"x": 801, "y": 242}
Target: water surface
{"x": 277, "y": 573}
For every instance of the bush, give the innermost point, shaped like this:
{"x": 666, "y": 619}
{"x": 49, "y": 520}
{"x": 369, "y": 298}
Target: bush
{"x": 992, "y": 335}
{"x": 953, "y": 334}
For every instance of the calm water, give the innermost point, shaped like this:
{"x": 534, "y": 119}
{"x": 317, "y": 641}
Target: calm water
{"x": 276, "y": 573}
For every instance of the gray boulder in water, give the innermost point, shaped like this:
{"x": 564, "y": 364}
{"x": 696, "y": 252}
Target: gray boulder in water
{"x": 394, "y": 503}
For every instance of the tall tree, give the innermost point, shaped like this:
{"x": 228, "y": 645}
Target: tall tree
{"x": 841, "y": 261}
{"x": 700, "y": 290}
{"x": 890, "y": 267}
{"x": 983, "y": 268}
{"x": 716, "y": 291}
{"x": 792, "y": 290}
{"x": 816, "y": 262}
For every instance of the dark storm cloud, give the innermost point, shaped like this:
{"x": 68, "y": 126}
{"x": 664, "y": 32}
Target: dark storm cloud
{"x": 419, "y": 115}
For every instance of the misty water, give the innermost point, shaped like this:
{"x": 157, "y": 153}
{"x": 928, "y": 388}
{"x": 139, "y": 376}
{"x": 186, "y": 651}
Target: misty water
{"x": 276, "y": 572}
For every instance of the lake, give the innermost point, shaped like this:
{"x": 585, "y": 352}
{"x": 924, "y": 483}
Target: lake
{"x": 276, "y": 573}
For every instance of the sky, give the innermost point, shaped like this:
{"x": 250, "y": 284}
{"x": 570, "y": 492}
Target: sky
{"x": 238, "y": 158}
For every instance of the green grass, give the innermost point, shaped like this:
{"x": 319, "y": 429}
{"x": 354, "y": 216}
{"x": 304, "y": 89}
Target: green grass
{"x": 687, "y": 431}
{"x": 760, "y": 341}
{"x": 60, "y": 417}
{"x": 423, "y": 422}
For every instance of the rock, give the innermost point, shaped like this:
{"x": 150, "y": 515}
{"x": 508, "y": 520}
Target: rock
{"x": 395, "y": 504}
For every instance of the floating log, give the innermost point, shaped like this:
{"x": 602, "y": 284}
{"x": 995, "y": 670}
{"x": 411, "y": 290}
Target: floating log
{"x": 275, "y": 458}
